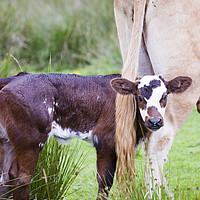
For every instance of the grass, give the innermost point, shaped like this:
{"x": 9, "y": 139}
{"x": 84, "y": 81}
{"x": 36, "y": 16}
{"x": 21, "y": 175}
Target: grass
{"x": 58, "y": 166}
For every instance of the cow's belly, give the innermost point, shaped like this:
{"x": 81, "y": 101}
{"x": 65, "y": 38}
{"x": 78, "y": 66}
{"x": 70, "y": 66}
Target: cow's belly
{"x": 172, "y": 37}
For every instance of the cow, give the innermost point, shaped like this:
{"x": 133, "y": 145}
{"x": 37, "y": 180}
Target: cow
{"x": 166, "y": 34}
{"x": 34, "y": 107}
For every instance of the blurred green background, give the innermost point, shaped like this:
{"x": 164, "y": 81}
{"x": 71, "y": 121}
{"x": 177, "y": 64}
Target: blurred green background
{"x": 59, "y": 35}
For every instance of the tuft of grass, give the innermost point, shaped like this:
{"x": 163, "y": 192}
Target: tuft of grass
{"x": 6, "y": 67}
{"x": 58, "y": 167}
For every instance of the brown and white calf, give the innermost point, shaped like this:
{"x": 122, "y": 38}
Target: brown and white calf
{"x": 34, "y": 107}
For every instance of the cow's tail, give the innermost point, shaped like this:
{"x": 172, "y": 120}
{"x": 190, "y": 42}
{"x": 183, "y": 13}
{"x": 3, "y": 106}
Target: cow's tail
{"x": 125, "y": 137}
{"x": 6, "y": 80}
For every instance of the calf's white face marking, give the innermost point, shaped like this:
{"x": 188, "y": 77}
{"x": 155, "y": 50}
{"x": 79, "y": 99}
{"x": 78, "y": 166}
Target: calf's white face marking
{"x": 152, "y": 89}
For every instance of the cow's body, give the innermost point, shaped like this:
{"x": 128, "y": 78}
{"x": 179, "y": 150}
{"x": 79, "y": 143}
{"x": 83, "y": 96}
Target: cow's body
{"x": 170, "y": 47}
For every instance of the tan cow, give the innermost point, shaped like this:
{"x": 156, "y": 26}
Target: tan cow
{"x": 169, "y": 46}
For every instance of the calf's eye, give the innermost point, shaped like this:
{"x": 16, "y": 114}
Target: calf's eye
{"x": 140, "y": 98}
{"x": 163, "y": 100}
{"x": 165, "y": 97}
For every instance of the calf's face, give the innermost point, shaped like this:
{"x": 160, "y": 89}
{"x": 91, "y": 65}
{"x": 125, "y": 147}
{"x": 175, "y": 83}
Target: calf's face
{"x": 151, "y": 94}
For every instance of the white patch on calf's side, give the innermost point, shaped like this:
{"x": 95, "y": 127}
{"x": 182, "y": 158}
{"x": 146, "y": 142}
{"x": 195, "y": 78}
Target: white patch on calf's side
{"x": 41, "y": 144}
{"x": 63, "y": 135}
{"x": 50, "y": 110}
{"x": 55, "y": 104}
{"x": 1, "y": 178}
{"x": 3, "y": 133}
{"x": 45, "y": 101}
{"x": 96, "y": 141}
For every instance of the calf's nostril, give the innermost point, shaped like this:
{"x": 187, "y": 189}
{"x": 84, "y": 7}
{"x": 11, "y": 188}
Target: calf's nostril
{"x": 155, "y": 122}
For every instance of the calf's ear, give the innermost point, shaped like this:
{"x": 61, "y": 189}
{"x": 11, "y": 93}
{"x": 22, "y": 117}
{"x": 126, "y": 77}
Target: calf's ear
{"x": 178, "y": 84}
{"x": 123, "y": 86}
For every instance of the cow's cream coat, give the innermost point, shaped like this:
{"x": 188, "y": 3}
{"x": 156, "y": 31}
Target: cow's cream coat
{"x": 171, "y": 48}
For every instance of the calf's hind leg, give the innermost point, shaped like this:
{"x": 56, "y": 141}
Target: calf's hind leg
{"x": 21, "y": 171}
{"x": 6, "y": 158}
{"x": 106, "y": 166}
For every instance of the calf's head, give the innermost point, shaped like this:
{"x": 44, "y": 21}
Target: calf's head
{"x": 151, "y": 94}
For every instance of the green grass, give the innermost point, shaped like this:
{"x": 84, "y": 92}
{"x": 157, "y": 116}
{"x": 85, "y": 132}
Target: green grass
{"x": 58, "y": 166}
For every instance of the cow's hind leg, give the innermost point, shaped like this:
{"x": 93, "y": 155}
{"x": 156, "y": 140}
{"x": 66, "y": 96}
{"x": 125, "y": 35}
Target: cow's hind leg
{"x": 21, "y": 171}
{"x": 106, "y": 166}
{"x": 124, "y": 21}
{"x": 6, "y": 158}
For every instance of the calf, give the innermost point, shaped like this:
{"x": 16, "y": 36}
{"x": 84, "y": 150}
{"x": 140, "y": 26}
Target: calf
{"x": 34, "y": 107}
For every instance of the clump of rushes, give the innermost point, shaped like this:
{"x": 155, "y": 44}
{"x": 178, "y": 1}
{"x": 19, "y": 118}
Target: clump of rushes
{"x": 57, "y": 168}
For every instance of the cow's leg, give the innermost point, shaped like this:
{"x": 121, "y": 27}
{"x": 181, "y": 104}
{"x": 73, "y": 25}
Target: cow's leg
{"x": 21, "y": 171}
{"x": 172, "y": 56}
{"x": 106, "y": 166}
{"x": 124, "y": 21}
{"x": 161, "y": 141}
{"x": 6, "y": 158}
{"x": 156, "y": 154}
